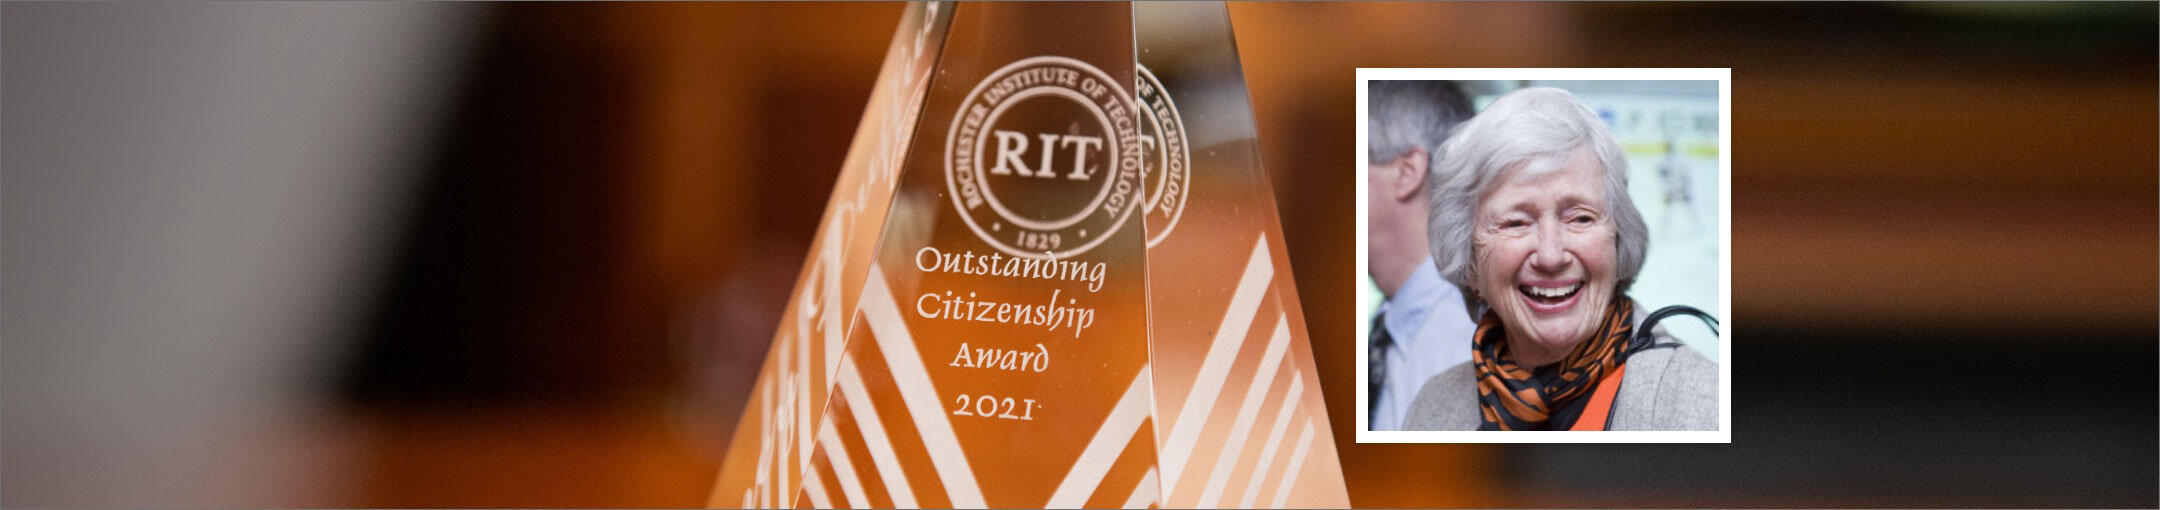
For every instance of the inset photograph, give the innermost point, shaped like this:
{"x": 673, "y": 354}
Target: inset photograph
{"x": 1545, "y": 250}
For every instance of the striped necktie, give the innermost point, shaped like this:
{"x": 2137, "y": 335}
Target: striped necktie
{"x": 1375, "y": 363}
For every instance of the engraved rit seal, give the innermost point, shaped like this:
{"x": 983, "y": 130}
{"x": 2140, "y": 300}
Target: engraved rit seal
{"x": 1044, "y": 158}
{"x": 1168, "y": 157}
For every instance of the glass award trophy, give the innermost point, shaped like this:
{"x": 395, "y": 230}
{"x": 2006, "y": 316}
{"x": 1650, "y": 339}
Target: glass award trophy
{"x": 1050, "y": 275}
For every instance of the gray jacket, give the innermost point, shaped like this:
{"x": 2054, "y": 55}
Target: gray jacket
{"x": 1664, "y": 389}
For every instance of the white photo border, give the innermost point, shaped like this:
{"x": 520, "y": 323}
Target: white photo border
{"x": 1723, "y": 434}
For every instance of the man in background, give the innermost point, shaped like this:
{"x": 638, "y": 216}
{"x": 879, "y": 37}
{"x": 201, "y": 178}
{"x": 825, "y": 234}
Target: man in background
{"x": 1424, "y": 324}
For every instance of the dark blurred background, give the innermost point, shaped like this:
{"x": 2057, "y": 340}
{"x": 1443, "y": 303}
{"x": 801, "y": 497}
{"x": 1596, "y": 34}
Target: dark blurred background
{"x": 450, "y": 255}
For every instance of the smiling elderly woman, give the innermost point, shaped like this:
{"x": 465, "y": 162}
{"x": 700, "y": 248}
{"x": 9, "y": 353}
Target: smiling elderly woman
{"x": 1533, "y": 217}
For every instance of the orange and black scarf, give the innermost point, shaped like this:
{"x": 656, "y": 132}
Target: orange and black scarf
{"x": 1551, "y": 397}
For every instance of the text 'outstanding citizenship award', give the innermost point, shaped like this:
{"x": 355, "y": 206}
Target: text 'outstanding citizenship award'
{"x": 1050, "y": 275}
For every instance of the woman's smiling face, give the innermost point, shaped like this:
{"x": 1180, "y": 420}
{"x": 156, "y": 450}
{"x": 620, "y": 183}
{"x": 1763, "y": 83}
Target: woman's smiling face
{"x": 1544, "y": 250}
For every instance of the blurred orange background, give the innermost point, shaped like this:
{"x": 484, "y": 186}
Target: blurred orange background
{"x": 568, "y": 289}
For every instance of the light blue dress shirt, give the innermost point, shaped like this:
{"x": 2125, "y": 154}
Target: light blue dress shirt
{"x": 1431, "y": 327}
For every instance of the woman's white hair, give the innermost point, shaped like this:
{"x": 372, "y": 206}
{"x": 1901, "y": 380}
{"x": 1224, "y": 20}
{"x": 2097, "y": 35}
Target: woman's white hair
{"x": 1537, "y": 129}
